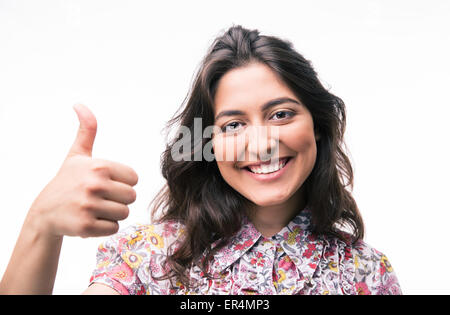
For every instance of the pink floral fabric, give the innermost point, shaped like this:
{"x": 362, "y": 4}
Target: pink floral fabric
{"x": 294, "y": 261}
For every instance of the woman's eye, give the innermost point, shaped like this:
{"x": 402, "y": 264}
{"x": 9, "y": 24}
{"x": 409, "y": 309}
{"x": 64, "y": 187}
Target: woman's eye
{"x": 231, "y": 127}
{"x": 282, "y": 114}
{"x": 235, "y": 126}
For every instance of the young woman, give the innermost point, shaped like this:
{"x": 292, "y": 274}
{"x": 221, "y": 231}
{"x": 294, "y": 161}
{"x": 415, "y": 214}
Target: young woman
{"x": 270, "y": 213}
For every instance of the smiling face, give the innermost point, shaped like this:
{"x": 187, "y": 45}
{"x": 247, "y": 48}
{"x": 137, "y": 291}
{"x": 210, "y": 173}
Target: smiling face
{"x": 258, "y": 114}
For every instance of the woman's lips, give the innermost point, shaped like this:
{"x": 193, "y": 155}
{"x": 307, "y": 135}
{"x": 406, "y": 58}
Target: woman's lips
{"x": 266, "y": 162}
{"x": 270, "y": 176}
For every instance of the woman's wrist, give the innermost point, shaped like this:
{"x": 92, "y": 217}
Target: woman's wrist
{"x": 38, "y": 222}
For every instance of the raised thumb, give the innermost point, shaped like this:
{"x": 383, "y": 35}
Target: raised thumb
{"x": 86, "y": 132}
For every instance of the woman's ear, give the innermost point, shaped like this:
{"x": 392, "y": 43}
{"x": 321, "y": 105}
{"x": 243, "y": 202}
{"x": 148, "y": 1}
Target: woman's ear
{"x": 317, "y": 136}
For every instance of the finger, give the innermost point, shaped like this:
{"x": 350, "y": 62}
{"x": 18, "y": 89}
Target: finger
{"x": 87, "y": 130}
{"x": 102, "y": 228}
{"x": 122, "y": 173}
{"x": 118, "y": 192}
{"x": 111, "y": 210}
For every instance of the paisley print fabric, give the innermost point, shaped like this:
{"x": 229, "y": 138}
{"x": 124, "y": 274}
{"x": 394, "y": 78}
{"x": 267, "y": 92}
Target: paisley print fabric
{"x": 294, "y": 261}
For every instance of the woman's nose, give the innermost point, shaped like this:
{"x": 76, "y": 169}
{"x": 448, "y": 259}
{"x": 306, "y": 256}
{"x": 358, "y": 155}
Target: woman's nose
{"x": 262, "y": 142}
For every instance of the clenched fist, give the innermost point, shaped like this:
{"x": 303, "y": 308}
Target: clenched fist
{"x": 87, "y": 196}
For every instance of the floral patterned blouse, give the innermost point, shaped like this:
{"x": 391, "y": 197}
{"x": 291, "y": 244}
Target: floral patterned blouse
{"x": 294, "y": 261}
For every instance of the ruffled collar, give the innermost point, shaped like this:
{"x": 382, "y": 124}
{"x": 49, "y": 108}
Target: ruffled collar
{"x": 296, "y": 239}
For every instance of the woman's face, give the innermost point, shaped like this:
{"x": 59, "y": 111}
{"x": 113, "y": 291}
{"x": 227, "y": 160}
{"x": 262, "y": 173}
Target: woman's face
{"x": 250, "y": 133}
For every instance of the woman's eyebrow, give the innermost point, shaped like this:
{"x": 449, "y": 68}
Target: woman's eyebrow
{"x": 264, "y": 107}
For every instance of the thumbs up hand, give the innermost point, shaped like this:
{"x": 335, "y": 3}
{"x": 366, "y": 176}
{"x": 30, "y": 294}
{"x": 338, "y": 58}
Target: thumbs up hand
{"x": 87, "y": 196}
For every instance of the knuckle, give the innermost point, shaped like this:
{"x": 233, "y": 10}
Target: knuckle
{"x": 86, "y": 227}
{"x": 100, "y": 167}
{"x": 94, "y": 185}
{"x": 86, "y": 205}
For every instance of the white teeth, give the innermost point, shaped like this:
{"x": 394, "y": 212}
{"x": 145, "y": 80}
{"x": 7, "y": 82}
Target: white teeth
{"x": 265, "y": 169}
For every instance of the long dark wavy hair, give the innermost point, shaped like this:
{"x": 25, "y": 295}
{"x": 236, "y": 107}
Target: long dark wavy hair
{"x": 197, "y": 196}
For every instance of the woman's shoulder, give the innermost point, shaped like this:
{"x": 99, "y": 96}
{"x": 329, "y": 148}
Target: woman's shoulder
{"x": 127, "y": 260}
{"x": 347, "y": 243}
{"x": 151, "y": 236}
{"x": 371, "y": 269}
{"x": 361, "y": 251}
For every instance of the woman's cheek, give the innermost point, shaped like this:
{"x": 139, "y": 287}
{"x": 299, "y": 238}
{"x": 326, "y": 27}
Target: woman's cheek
{"x": 299, "y": 137}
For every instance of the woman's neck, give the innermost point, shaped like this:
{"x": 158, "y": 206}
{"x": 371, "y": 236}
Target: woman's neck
{"x": 269, "y": 220}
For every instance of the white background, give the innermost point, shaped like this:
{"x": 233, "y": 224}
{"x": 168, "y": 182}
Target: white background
{"x": 132, "y": 63}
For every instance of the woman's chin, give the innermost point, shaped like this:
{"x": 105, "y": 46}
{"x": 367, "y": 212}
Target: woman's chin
{"x": 267, "y": 200}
